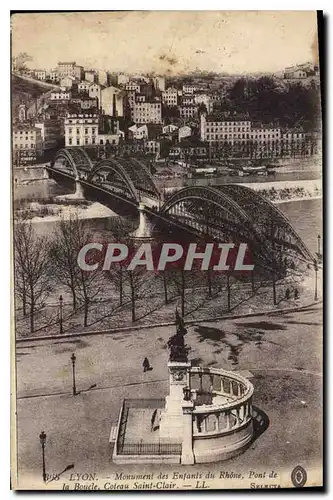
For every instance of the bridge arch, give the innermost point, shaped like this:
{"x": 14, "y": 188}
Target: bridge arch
{"x": 75, "y": 158}
{"x": 124, "y": 180}
{"x": 263, "y": 214}
{"x": 241, "y": 213}
{"x": 209, "y": 211}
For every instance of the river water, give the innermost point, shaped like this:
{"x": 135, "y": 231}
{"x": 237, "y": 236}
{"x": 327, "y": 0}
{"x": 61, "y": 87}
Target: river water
{"x": 305, "y": 215}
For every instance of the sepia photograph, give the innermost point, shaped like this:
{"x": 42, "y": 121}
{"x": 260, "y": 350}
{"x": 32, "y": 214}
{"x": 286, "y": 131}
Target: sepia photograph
{"x": 167, "y": 250}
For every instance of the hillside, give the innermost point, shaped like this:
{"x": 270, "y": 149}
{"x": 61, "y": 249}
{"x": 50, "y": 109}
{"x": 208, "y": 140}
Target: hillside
{"x": 26, "y": 91}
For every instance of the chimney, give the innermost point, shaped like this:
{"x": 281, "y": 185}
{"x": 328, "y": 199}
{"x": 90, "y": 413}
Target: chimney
{"x": 114, "y": 110}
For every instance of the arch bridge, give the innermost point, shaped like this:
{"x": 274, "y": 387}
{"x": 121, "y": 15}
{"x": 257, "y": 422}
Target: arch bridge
{"x": 226, "y": 213}
{"x": 235, "y": 213}
{"x": 128, "y": 179}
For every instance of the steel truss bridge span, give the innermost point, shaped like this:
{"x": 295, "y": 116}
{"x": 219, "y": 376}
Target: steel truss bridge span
{"x": 226, "y": 213}
{"x": 73, "y": 160}
{"x": 128, "y": 177}
{"x": 235, "y": 213}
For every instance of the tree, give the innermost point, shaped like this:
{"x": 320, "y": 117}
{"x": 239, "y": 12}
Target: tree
{"x": 70, "y": 237}
{"x": 177, "y": 275}
{"x": 32, "y": 268}
{"x": 21, "y": 60}
{"x": 89, "y": 283}
{"x": 64, "y": 254}
{"x": 116, "y": 274}
{"x": 135, "y": 279}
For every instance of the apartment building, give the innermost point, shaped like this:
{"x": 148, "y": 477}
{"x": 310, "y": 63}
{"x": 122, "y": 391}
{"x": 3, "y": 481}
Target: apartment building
{"x": 84, "y": 86}
{"x": 170, "y": 97}
{"x": 213, "y": 130}
{"x": 133, "y": 86}
{"x": 81, "y": 129}
{"x": 40, "y": 75}
{"x": 94, "y": 91}
{"x": 183, "y": 132}
{"x": 67, "y": 82}
{"x": 147, "y": 112}
{"x": 103, "y": 77}
{"x": 188, "y": 99}
{"x": 205, "y": 99}
{"x": 90, "y": 76}
{"x": 60, "y": 95}
{"x": 28, "y": 138}
{"x": 122, "y": 79}
{"x": 265, "y": 135}
{"x": 70, "y": 69}
{"x": 113, "y": 101}
{"x": 189, "y": 88}
{"x": 188, "y": 111}
{"x": 50, "y": 133}
{"x": 159, "y": 83}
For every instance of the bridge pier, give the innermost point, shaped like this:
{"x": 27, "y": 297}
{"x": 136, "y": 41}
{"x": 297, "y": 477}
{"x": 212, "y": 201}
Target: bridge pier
{"x": 77, "y": 195}
{"x": 145, "y": 229}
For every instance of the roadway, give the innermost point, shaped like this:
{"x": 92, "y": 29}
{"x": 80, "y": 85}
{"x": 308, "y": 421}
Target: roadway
{"x": 283, "y": 353}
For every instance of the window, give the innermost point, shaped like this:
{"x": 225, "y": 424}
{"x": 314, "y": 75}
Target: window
{"x": 86, "y": 131}
{"x": 78, "y": 142}
{"x": 69, "y": 130}
{"x": 86, "y": 140}
{"x": 93, "y": 140}
{"x": 70, "y": 141}
{"x": 77, "y": 131}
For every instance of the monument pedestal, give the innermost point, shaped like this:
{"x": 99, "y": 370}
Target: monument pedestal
{"x": 171, "y": 421}
{"x": 187, "y": 443}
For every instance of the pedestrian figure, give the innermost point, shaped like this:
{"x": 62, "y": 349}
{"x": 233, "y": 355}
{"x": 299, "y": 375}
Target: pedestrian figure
{"x": 146, "y": 365}
{"x": 152, "y": 422}
{"x": 287, "y": 294}
{"x": 296, "y": 294}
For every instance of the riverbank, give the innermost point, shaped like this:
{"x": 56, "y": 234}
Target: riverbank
{"x": 53, "y": 213}
{"x": 304, "y": 198}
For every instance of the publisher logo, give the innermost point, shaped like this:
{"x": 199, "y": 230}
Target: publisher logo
{"x": 299, "y": 477}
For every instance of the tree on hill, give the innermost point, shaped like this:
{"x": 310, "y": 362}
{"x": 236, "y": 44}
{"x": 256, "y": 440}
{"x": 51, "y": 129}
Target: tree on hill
{"x": 21, "y": 60}
{"x": 267, "y": 101}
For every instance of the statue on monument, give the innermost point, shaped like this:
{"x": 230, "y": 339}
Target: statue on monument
{"x": 176, "y": 344}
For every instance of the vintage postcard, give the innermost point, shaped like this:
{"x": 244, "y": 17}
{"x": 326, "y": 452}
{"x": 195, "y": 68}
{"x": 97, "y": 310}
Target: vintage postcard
{"x": 167, "y": 250}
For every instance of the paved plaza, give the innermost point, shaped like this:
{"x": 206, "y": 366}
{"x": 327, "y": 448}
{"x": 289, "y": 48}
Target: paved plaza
{"x": 282, "y": 352}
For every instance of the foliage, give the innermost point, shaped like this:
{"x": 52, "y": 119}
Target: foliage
{"x": 271, "y": 101}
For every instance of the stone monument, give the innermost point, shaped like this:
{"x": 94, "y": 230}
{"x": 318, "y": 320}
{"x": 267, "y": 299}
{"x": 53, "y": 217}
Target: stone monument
{"x": 176, "y": 418}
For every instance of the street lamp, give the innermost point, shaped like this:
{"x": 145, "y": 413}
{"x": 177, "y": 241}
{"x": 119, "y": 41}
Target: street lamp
{"x": 42, "y": 438}
{"x": 60, "y": 312}
{"x": 73, "y": 359}
{"x": 316, "y": 279}
{"x": 319, "y": 238}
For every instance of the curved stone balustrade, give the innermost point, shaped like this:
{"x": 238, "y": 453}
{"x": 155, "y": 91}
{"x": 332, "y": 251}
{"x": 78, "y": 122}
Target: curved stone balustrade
{"x": 222, "y": 413}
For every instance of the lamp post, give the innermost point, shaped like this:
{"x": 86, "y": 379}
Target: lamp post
{"x": 60, "y": 312}
{"x": 319, "y": 238}
{"x": 316, "y": 279}
{"x": 73, "y": 359}
{"x": 42, "y": 438}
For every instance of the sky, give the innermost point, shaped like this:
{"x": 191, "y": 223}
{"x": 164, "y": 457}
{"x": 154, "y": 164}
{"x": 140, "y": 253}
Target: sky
{"x": 168, "y": 42}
